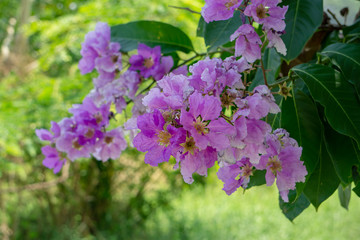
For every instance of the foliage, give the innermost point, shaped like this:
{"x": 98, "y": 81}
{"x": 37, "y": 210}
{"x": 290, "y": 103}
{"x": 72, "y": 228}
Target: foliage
{"x": 322, "y": 115}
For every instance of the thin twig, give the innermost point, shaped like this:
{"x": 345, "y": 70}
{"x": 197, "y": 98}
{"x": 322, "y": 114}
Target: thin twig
{"x": 185, "y": 8}
{"x": 334, "y": 17}
{"x": 142, "y": 91}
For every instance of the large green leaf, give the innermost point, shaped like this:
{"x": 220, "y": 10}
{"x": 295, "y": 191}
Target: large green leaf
{"x": 272, "y": 61}
{"x": 342, "y": 108}
{"x": 293, "y": 209}
{"x": 300, "y": 118}
{"x": 342, "y": 153}
{"x": 347, "y": 58}
{"x": 218, "y": 33}
{"x": 151, "y": 33}
{"x": 323, "y": 182}
{"x": 302, "y": 19}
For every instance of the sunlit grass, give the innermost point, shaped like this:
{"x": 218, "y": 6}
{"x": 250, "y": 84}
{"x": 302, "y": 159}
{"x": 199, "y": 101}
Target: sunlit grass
{"x": 208, "y": 213}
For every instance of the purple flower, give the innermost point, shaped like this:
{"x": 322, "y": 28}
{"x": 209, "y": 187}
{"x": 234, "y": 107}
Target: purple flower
{"x": 71, "y": 144}
{"x": 199, "y": 162}
{"x": 97, "y": 51}
{"x": 126, "y": 85}
{"x": 147, "y": 61}
{"x": 88, "y": 113}
{"x": 267, "y": 12}
{"x": 235, "y": 175}
{"x": 45, "y": 135}
{"x": 52, "y": 159}
{"x": 111, "y": 145}
{"x": 216, "y": 10}
{"x": 183, "y": 70}
{"x": 159, "y": 140}
{"x": 175, "y": 89}
{"x": 166, "y": 63}
{"x": 276, "y": 41}
{"x": 203, "y": 109}
{"x": 247, "y": 43}
{"x": 282, "y": 161}
{"x": 257, "y": 105}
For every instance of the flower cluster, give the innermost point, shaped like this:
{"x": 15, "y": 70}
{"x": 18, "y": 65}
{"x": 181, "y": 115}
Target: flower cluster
{"x": 81, "y": 135}
{"x": 209, "y": 116}
{"x": 267, "y": 13}
{"x": 86, "y": 133}
{"x": 200, "y": 116}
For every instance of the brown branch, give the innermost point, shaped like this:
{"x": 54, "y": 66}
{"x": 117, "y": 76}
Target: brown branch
{"x": 41, "y": 185}
{"x": 334, "y": 17}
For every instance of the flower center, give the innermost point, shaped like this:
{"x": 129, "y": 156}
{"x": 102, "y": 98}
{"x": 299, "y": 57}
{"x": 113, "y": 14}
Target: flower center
{"x": 114, "y": 58}
{"x": 76, "y": 144}
{"x": 200, "y": 126}
{"x": 227, "y": 100}
{"x": 261, "y": 11}
{"x": 189, "y": 145}
{"x": 247, "y": 171}
{"x": 108, "y": 139}
{"x": 230, "y": 3}
{"x": 148, "y": 62}
{"x": 90, "y": 133}
{"x": 163, "y": 138}
{"x": 98, "y": 117}
{"x": 274, "y": 164}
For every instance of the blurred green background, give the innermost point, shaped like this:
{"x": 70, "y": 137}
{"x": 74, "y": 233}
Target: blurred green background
{"x": 40, "y": 42}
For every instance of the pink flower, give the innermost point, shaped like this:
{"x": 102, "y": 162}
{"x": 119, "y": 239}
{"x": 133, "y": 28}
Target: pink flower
{"x": 160, "y": 141}
{"x": 111, "y": 145}
{"x": 97, "y": 51}
{"x": 247, "y": 43}
{"x": 203, "y": 109}
{"x": 282, "y": 161}
{"x": 267, "y": 12}
{"x": 216, "y": 10}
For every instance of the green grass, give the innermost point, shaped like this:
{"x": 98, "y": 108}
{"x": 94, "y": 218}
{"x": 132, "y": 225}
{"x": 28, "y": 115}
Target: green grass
{"x": 208, "y": 213}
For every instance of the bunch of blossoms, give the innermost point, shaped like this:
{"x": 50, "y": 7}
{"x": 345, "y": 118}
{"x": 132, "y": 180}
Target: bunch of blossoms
{"x": 267, "y": 13}
{"x": 200, "y": 117}
{"x": 86, "y": 133}
{"x": 210, "y": 117}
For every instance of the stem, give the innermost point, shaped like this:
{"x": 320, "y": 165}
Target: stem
{"x": 263, "y": 70}
{"x": 144, "y": 90}
{"x": 185, "y": 8}
{"x": 281, "y": 80}
{"x": 334, "y": 17}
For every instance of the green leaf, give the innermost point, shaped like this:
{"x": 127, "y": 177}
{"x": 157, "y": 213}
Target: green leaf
{"x": 272, "y": 61}
{"x": 342, "y": 109}
{"x": 218, "y": 33}
{"x": 302, "y": 19}
{"x": 342, "y": 153}
{"x": 356, "y": 189}
{"x": 353, "y": 30}
{"x": 344, "y": 196}
{"x": 152, "y": 34}
{"x": 300, "y": 118}
{"x": 293, "y": 209}
{"x": 347, "y": 58}
{"x": 323, "y": 181}
{"x": 257, "y": 179}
